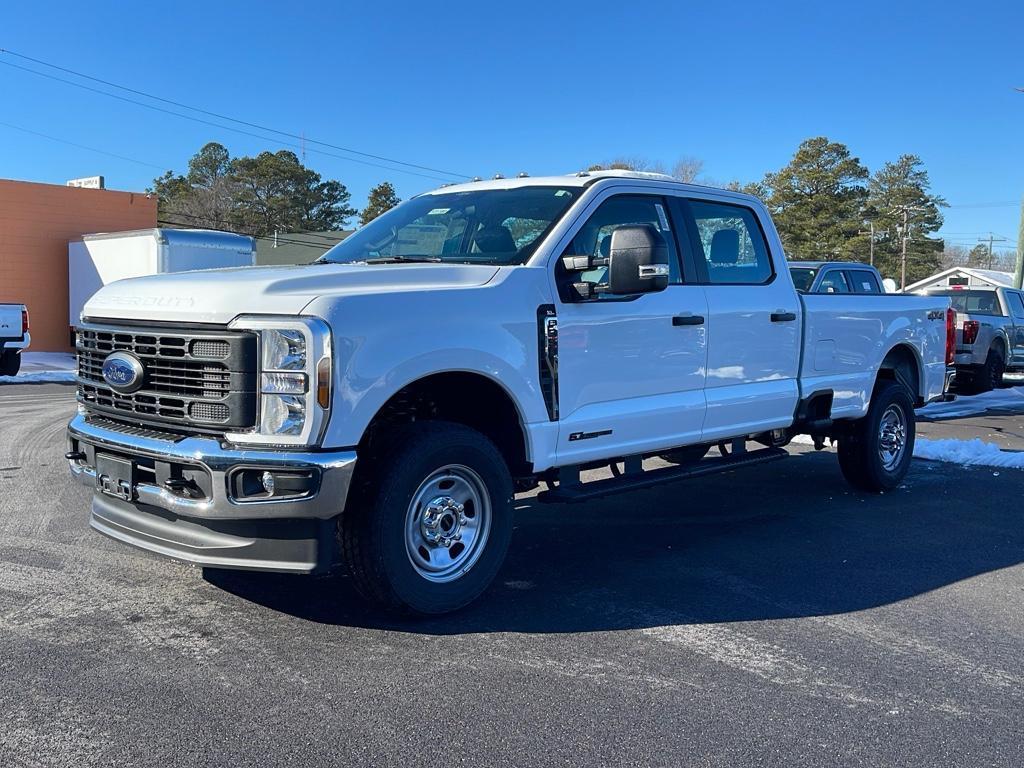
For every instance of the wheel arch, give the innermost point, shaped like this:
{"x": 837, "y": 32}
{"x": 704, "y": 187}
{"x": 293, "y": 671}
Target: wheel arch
{"x": 903, "y": 364}
{"x": 469, "y": 398}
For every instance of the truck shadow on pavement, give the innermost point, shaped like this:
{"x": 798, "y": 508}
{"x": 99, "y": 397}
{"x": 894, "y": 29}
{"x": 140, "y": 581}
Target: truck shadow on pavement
{"x": 784, "y": 540}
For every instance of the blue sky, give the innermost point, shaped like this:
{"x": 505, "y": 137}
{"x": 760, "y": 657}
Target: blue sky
{"x": 544, "y": 87}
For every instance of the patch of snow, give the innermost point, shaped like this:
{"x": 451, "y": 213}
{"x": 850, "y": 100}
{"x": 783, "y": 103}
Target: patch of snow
{"x": 39, "y": 367}
{"x": 1006, "y": 400}
{"x": 967, "y": 453}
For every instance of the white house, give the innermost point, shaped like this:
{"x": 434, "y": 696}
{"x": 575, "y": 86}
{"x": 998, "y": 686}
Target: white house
{"x": 964, "y": 277}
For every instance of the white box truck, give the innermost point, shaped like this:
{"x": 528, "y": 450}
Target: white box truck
{"x": 99, "y": 259}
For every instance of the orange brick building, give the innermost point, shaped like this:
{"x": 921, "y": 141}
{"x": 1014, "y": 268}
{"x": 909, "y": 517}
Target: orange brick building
{"x": 36, "y": 223}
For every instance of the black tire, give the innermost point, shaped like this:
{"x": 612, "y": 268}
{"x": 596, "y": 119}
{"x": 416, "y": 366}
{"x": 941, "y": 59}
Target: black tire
{"x": 990, "y": 375}
{"x": 376, "y": 544}
{"x": 861, "y": 448}
{"x": 691, "y": 454}
{"x": 10, "y": 363}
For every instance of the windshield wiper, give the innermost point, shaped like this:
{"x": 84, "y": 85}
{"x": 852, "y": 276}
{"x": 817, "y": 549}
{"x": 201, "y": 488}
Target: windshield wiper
{"x": 405, "y": 260}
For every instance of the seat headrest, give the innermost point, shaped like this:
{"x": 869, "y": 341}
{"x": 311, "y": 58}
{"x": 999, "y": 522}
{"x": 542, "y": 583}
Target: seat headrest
{"x": 604, "y": 248}
{"x": 725, "y": 247}
{"x": 495, "y": 239}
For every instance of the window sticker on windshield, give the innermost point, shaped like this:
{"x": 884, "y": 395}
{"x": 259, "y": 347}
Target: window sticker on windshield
{"x": 561, "y": 193}
{"x": 438, "y": 211}
{"x": 662, "y": 218}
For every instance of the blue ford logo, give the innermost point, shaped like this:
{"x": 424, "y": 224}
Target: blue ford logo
{"x": 123, "y": 371}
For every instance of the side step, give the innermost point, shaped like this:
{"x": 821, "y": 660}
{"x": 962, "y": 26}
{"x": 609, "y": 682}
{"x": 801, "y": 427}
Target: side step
{"x": 570, "y": 489}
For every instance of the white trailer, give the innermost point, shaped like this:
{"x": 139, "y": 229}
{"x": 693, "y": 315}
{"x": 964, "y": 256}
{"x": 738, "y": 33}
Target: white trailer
{"x": 99, "y": 259}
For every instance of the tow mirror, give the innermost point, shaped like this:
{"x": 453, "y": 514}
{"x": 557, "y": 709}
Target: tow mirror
{"x": 637, "y": 261}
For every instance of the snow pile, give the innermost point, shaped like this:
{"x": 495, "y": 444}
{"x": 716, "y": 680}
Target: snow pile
{"x": 968, "y": 453}
{"x": 38, "y": 367}
{"x": 1010, "y": 400}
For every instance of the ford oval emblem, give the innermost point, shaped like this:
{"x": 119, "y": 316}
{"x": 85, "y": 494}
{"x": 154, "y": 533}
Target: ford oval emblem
{"x": 123, "y": 371}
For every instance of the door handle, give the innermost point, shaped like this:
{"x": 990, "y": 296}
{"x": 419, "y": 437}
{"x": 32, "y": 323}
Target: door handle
{"x": 688, "y": 320}
{"x": 783, "y": 317}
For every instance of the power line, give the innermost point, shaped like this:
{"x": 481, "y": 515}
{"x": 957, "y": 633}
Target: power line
{"x": 216, "y": 125}
{"x": 301, "y": 137}
{"x": 81, "y": 146}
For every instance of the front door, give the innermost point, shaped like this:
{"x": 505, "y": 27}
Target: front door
{"x": 630, "y": 370}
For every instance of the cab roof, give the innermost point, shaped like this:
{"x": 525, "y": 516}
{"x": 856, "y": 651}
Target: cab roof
{"x": 583, "y": 179}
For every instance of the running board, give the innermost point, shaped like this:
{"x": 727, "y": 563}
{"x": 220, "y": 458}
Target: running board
{"x": 570, "y": 489}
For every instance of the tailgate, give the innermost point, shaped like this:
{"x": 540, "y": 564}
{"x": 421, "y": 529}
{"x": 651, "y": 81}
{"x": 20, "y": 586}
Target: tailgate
{"x": 10, "y": 321}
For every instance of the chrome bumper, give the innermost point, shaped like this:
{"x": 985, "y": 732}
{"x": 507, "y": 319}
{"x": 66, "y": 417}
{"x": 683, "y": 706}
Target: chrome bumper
{"x": 332, "y": 471}
{"x": 204, "y": 524}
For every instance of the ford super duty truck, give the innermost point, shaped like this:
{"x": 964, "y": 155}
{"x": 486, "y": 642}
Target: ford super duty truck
{"x": 381, "y": 407}
{"x": 14, "y": 337}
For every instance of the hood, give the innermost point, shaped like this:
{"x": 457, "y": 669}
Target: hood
{"x": 220, "y": 295}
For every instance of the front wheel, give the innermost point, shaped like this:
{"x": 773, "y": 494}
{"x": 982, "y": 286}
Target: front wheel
{"x": 875, "y": 453}
{"x": 428, "y": 527}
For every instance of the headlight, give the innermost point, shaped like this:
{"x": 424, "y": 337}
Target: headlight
{"x": 295, "y": 367}
{"x": 283, "y": 350}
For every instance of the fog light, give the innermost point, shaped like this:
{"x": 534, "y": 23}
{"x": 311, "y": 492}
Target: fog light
{"x": 268, "y": 483}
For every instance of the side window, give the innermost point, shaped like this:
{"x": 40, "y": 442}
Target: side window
{"x": 595, "y": 237}
{"x": 833, "y": 281}
{"x": 1016, "y": 305}
{"x": 864, "y": 281}
{"x": 733, "y": 246}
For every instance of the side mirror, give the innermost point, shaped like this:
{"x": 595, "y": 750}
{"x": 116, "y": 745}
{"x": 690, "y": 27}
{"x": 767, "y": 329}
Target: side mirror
{"x": 637, "y": 261}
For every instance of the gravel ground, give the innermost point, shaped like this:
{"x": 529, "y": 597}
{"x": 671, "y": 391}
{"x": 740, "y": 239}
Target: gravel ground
{"x": 764, "y": 617}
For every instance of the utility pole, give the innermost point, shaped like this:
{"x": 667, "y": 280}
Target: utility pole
{"x": 1018, "y": 277}
{"x": 991, "y": 255}
{"x": 903, "y": 258}
{"x": 873, "y": 234}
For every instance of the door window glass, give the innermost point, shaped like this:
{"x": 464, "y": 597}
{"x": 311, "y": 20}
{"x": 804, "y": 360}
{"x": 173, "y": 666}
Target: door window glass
{"x": 595, "y": 237}
{"x": 833, "y": 281}
{"x": 1016, "y": 304}
{"x": 864, "y": 281}
{"x": 733, "y": 246}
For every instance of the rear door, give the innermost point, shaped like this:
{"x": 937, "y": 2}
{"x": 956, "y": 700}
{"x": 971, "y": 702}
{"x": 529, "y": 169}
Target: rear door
{"x": 754, "y": 321}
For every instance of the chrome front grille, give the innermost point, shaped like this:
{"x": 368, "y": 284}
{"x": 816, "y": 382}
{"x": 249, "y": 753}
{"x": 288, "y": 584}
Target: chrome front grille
{"x": 200, "y": 379}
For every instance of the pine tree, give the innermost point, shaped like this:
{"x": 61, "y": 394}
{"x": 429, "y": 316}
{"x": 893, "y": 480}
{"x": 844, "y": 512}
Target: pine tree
{"x": 816, "y": 201}
{"x": 382, "y": 199}
{"x": 895, "y": 187}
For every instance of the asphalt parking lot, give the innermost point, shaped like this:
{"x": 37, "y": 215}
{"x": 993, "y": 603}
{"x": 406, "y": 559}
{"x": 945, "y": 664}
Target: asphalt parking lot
{"x": 764, "y": 617}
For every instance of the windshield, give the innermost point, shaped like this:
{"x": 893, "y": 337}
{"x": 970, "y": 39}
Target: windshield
{"x": 486, "y": 226}
{"x": 972, "y": 302}
{"x": 802, "y": 278}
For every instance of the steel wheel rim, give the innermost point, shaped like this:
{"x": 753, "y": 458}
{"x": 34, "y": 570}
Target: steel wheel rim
{"x": 892, "y": 437}
{"x": 448, "y": 523}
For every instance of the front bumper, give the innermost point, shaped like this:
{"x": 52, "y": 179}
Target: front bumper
{"x": 183, "y": 499}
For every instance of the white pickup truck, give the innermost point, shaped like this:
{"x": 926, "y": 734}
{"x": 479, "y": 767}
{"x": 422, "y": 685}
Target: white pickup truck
{"x": 14, "y": 337}
{"x": 382, "y": 406}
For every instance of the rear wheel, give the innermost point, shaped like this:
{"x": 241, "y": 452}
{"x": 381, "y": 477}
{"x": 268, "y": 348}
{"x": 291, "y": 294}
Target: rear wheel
{"x": 875, "y": 453}
{"x": 10, "y": 363}
{"x": 428, "y": 528}
{"x": 990, "y": 375}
